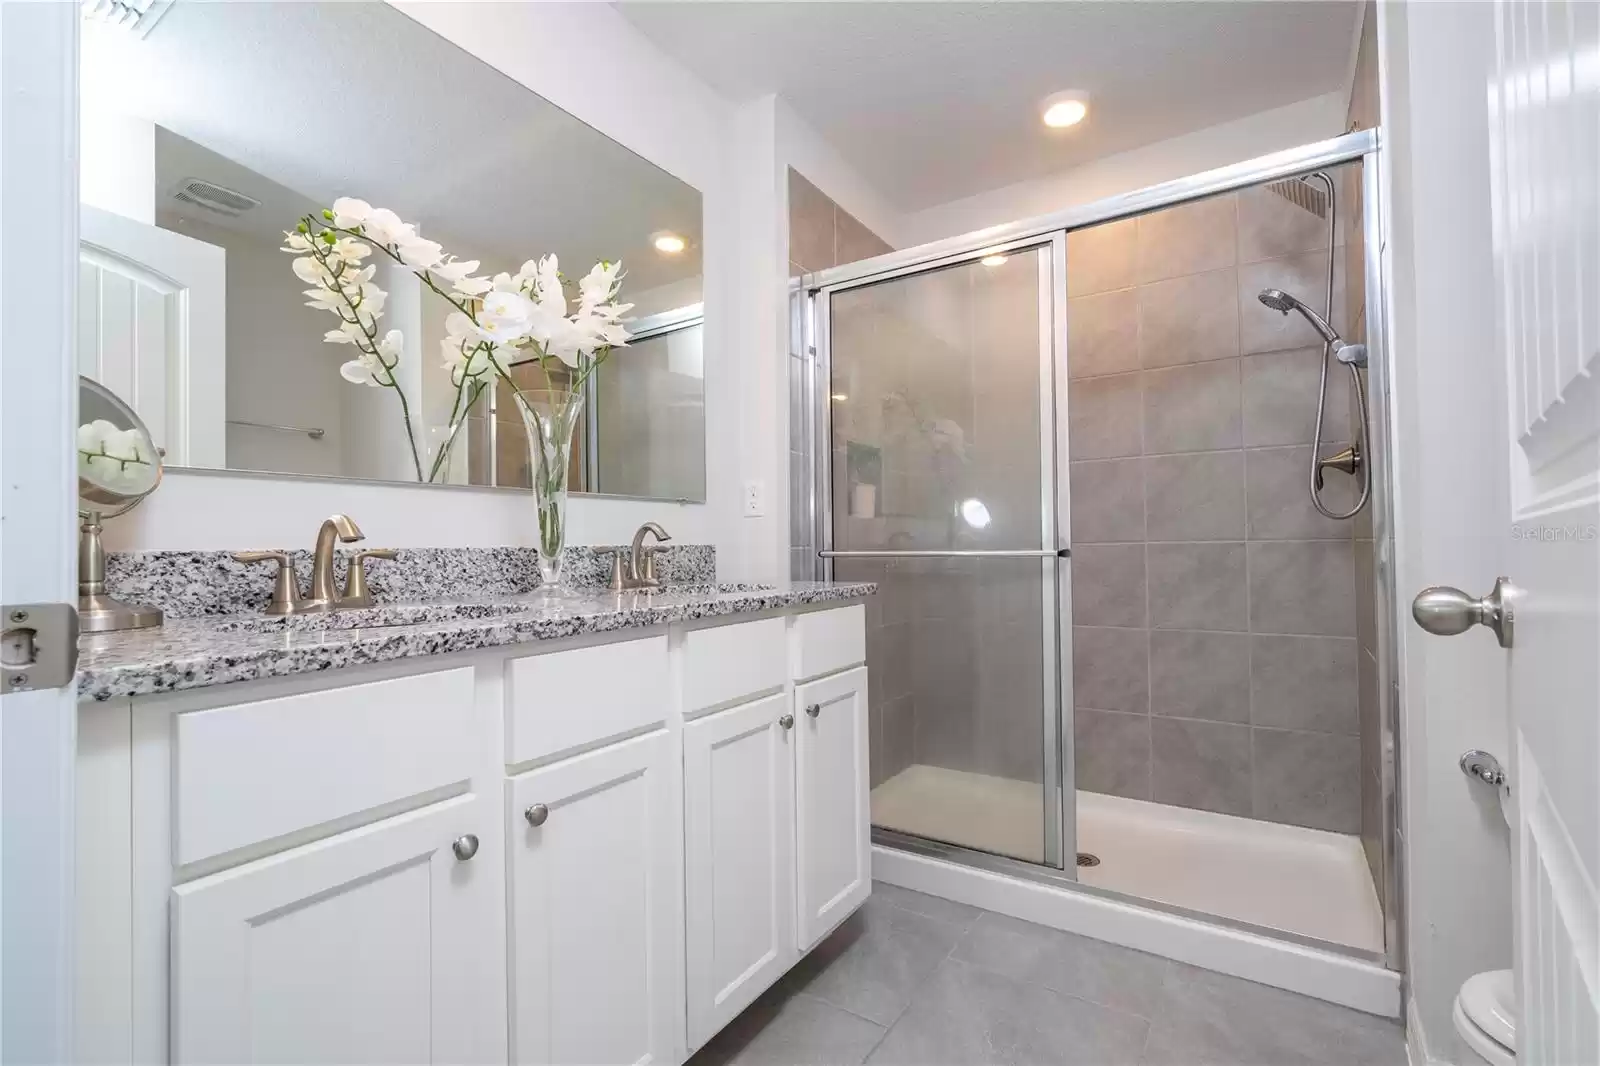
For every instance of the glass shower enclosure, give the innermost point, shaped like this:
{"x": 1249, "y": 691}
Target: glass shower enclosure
{"x": 939, "y": 483}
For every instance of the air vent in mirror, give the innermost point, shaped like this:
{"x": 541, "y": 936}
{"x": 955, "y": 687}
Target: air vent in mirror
{"x": 213, "y": 197}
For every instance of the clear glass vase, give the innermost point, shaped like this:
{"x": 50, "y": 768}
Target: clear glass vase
{"x": 437, "y": 453}
{"x": 550, "y": 417}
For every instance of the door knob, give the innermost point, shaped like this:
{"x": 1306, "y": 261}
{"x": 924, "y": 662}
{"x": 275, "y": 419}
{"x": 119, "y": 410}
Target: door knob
{"x": 536, "y": 814}
{"x": 465, "y": 847}
{"x": 813, "y": 709}
{"x": 1447, "y": 611}
{"x": 787, "y": 721}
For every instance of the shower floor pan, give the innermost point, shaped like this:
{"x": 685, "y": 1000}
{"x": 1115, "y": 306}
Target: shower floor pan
{"x": 1303, "y": 881}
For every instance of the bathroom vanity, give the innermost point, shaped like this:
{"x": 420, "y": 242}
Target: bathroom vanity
{"x": 586, "y": 831}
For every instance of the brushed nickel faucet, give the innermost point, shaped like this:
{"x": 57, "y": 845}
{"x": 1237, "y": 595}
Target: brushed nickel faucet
{"x": 286, "y": 598}
{"x": 637, "y": 570}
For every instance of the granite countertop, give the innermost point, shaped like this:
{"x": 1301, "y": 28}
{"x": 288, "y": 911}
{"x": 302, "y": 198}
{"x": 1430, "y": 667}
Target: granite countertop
{"x": 198, "y": 652}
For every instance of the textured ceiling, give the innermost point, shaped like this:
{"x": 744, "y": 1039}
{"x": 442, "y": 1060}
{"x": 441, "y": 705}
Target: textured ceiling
{"x": 356, "y": 99}
{"x": 935, "y": 101}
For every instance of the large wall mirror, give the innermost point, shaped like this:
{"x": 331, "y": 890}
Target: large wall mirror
{"x": 207, "y": 137}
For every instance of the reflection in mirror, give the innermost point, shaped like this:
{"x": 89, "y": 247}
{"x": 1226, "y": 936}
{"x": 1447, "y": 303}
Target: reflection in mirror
{"x": 200, "y": 148}
{"x": 118, "y": 466}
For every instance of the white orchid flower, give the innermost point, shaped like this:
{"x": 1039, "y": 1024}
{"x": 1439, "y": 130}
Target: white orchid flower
{"x": 385, "y": 227}
{"x": 599, "y": 285}
{"x": 348, "y": 212}
{"x": 547, "y": 288}
{"x": 504, "y": 318}
{"x": 420, "y": 254}
{"x": 451, "y": 270}
{"x": 350, "y": 249}
{"x": 297, "y": 243}
{"x": 341, "y": 335}
{"x": 362, "y": 370}
{"x": 310, "y": 271}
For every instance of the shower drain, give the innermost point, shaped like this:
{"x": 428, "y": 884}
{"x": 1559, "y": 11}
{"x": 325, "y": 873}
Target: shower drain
{"x": 1086, "y": 859}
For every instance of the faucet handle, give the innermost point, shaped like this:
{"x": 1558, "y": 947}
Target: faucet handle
{"x": 356, "y": 593}
{"x": 286, "y": 586}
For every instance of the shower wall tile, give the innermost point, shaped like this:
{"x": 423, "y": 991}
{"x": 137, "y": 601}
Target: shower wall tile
{"x": 1187, "y": 239}
{"x": 853, "y": 241}
{"x": 1271, "y": 227}
{"x": 1102, "y": 258}
{"x": 1205, "y": 765}
{"x": 1198, "y": 586}
{"x": 1190, "y": 319}
{"x": 1366, "y": 597}
{"x": 1278, "y": 482}
{"x": 1261, "y": 329}
{"x": 1105, "y": 422}
{"x": 1195, "y": 497}
{"x": 1280, "y": 398}
{"x": 1192, "y": 408}
{"x": 1303, "y": 587}
{"x": 1309, "y": 779}
{"x": 1103, "y": 333}
{"x": 1305, "y": 683}
{"x": 1195, "y": 674}
{"x": 1108, "y": 585}
{"x": 1009, "y": 707}
{"x": 1107, "y": 501}
{"x": 897, "y": 735}
{"x": 1111, "y": 668}
{"x": 1112, "y": 752}
{"x": 811, "y": 238}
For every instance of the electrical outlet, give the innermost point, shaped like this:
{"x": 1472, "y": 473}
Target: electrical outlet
{"x": 755, "y": 498}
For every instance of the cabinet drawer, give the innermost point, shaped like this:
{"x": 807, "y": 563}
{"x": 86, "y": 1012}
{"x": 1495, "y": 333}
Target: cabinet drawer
{"x": 574, "y": 699}
{"x": 255, "y": 771}
{"x": 825, "y": 641}
{"x": 724, "y": 664}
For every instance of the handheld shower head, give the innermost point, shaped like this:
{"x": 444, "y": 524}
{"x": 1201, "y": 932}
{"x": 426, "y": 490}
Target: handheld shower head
{"x": 1283, "y": 303}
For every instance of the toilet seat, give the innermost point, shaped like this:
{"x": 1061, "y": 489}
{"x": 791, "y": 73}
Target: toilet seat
{"x": 1486, "y": 1018}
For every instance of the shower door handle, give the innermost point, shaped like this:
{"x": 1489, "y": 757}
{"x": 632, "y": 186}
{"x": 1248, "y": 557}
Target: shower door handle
{"x": 1448, "y": 611}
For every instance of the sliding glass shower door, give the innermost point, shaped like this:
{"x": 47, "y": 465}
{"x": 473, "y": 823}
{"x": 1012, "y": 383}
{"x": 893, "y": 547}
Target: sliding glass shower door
{"x": 941, "y": 487}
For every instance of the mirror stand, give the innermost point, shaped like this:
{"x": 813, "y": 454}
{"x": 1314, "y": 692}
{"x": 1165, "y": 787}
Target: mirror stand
{"x": 98, "y": 612}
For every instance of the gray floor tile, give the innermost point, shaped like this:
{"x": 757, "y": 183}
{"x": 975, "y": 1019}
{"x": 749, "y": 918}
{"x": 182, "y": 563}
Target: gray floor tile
{"x": 945, "y": 910}
{"x": 791, "y": 1030}
{"x": 873, "y": 963}
{"x": 1102, "y": 973}
{"x": 969, "y": 1015}
{"x": 1211, "y": 1018}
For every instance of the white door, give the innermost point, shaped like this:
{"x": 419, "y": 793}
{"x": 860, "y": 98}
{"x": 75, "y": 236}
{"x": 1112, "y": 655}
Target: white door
{"x": 1545, "y": 159}
{"x": 151, "y": 328}
{"x": 372, "y": 946}
{"x": 38, "y": 403}
{"x": 739, "y": 856}
{"x": 833, "y": 817}
{"x": 1493, "y": 124}
{"x": 596, "y": 907}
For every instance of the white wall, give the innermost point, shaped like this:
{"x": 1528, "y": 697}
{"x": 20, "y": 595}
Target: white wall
{"x": 587, "y": 59}
{"x": 1231, "y": 142}
{"x": 1437, "y": 255}
{"x": 117, "y": 163}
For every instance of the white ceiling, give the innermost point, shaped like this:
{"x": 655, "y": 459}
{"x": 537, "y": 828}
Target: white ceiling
{"x": 932, "y": 102}
{"x": 355, "y": 99}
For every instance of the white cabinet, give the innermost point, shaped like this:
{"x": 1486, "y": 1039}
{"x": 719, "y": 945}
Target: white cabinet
{"x": 596, "y": 907}
{"x": 739, "y": 857}
{"x": 833, "y": 845}
{"x": 367, "y": 946}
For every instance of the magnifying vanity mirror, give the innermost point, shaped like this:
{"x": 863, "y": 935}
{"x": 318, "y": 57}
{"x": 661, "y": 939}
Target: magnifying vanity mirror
{"x": 118, "y": 466}
{"x": 198, "y": 154}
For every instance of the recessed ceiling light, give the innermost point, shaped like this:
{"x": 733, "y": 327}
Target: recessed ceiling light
{"x": 992, "y": 260}
{"x": 840, "y": 397}
{"x": 669, "y": 243}
{"x": 1065, "y": 109}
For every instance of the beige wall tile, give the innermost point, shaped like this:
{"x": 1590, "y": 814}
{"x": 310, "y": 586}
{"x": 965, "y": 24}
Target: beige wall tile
{"x": 1105, "y": 416}
{"x": 1108, "y": 585}
{"x": 1107, "y": 501}
{"x": 1200, "y": 675}
{"x": 1308, "y": 779}
{"x": 1187, "y": 239}
{"x": 1195, "y": 497}
{"x": 811, "y": 227}
{"x": 1271, "y": 227}
{"x": 1192, "y": 408}
{"x": 854, "y": 241}
{"x": 1303, "y": 587}
{"x": 1103, "y": 333}
{"x": 1113, "y": 753}
{"x": 1191, "y": 319}
{"x": 1198, "y": 586}
{"x": 1102, "y": 257}
{"x": 1278, "y": 484}
{"x": 1280, "y": 398}
{"x": 1204, "y": 765}
{"x": 1306, "y": 683}
{"x": 1111, "y": 669}
{"x": 1261, "y": 329}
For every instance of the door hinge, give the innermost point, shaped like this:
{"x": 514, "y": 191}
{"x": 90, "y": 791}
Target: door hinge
{"x": 38, "y": 646}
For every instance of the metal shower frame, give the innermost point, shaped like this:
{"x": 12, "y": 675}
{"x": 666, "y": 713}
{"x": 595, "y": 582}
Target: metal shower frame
{"x": 1047, "y": 234}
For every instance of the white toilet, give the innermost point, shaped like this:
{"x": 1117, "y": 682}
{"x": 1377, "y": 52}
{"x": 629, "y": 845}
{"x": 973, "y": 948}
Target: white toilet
{"x": 1486, "y": 1017}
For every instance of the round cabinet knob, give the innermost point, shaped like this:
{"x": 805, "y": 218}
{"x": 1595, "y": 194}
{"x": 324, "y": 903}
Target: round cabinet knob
{"x": 813, "y": 709}
{"x": 536, "y": 814}
{"x": 465, "y": 847}
{"x": 787, "y": 721}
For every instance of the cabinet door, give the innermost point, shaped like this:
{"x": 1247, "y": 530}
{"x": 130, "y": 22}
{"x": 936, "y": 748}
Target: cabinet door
{"x": 739, "y": 851}
{"x": 368, "y": 947}
{"x": 833, "y": 820}
{"x": 596, "y": 907}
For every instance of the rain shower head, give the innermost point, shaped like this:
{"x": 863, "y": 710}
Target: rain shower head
{"x": 1283, "y": 302}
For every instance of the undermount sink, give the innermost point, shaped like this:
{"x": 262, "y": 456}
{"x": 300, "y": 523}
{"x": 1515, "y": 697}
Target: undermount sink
{"x": 372, "y": 617}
